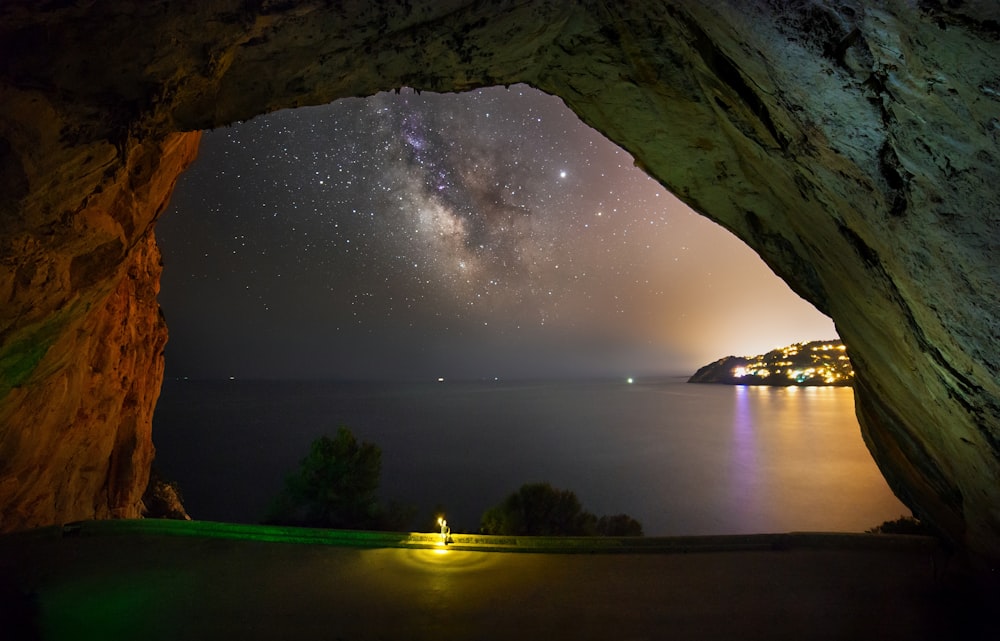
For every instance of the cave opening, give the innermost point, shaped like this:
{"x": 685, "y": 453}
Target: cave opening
{"x": 423, "y": 267}
{"x": 868, "y": 197}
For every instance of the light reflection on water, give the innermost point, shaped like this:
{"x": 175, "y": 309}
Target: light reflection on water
{"x": 744, "y": 458}
{"x": 799, "y": 462}
{"x": 683, "y": 459}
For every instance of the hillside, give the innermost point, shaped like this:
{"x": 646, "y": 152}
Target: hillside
{"x": 814, "y": 363}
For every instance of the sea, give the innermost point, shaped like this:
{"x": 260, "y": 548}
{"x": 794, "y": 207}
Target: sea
{"x": 683, "y": 459}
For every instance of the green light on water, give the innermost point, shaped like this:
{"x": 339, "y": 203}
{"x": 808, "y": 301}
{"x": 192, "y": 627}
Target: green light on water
{"x": 106, "y": 607}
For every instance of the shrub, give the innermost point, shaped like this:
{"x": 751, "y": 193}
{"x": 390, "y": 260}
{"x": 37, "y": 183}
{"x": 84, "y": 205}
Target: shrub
{"x": 902, "y": 525}
{"x": 538, "y": 509}
{"x": 618, "y": 525}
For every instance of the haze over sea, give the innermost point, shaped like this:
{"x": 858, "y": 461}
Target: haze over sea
{"x": 680, "y": 458}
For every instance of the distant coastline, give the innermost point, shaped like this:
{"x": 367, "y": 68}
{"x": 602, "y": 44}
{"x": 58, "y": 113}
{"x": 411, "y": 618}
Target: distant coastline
{"x": 817, "y": 363}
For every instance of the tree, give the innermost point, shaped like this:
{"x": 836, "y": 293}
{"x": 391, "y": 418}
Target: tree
{"x": 618, "y": 525}
{"x": 538, "y": 509}
{"x": 902, "y": 525}
{"x": 335, "y": 485}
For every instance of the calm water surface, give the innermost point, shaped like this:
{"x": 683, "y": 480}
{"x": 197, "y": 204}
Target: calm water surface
{"x": 681, "y": 458}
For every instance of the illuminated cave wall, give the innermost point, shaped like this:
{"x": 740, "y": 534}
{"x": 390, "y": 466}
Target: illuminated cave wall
{"x": 854, "y": 147}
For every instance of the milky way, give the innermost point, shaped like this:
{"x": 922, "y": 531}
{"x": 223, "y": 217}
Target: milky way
{"x": 472, "y": 236}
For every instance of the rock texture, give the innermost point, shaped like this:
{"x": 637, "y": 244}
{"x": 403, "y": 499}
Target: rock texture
{"x": 83, "y": 349}
{"x": 162, "y": 500}
{"x": 853, "y": 145}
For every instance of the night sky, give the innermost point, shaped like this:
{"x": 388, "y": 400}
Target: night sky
{"x": 469, "y": 236}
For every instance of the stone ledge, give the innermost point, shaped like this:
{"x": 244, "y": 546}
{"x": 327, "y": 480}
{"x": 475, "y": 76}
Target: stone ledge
{"x": 482, "y": 542}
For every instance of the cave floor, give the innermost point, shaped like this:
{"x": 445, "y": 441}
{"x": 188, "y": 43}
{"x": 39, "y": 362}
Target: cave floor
{"x": 102, "y": 583}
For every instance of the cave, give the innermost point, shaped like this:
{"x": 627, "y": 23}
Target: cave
{"x": 854, "y": 147}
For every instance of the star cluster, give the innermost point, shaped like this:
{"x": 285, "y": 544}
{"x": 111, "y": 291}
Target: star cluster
{"x": 412, "y": 235}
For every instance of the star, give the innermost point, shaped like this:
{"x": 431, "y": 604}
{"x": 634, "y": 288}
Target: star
{"x": 395, "y": 213}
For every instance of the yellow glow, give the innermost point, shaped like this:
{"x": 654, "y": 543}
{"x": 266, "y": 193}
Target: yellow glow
{"x": 444, "y": 559}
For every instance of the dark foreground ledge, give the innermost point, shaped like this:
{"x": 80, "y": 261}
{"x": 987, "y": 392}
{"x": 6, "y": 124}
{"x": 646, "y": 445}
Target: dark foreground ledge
{"x": 198, "y": 580}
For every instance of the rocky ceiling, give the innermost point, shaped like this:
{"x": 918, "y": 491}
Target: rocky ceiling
{"x": 853, "y": 145}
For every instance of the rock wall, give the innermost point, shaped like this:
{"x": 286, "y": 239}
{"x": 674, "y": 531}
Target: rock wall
{"x": 83, "y": 356}
{"x": 854, "y": 146}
